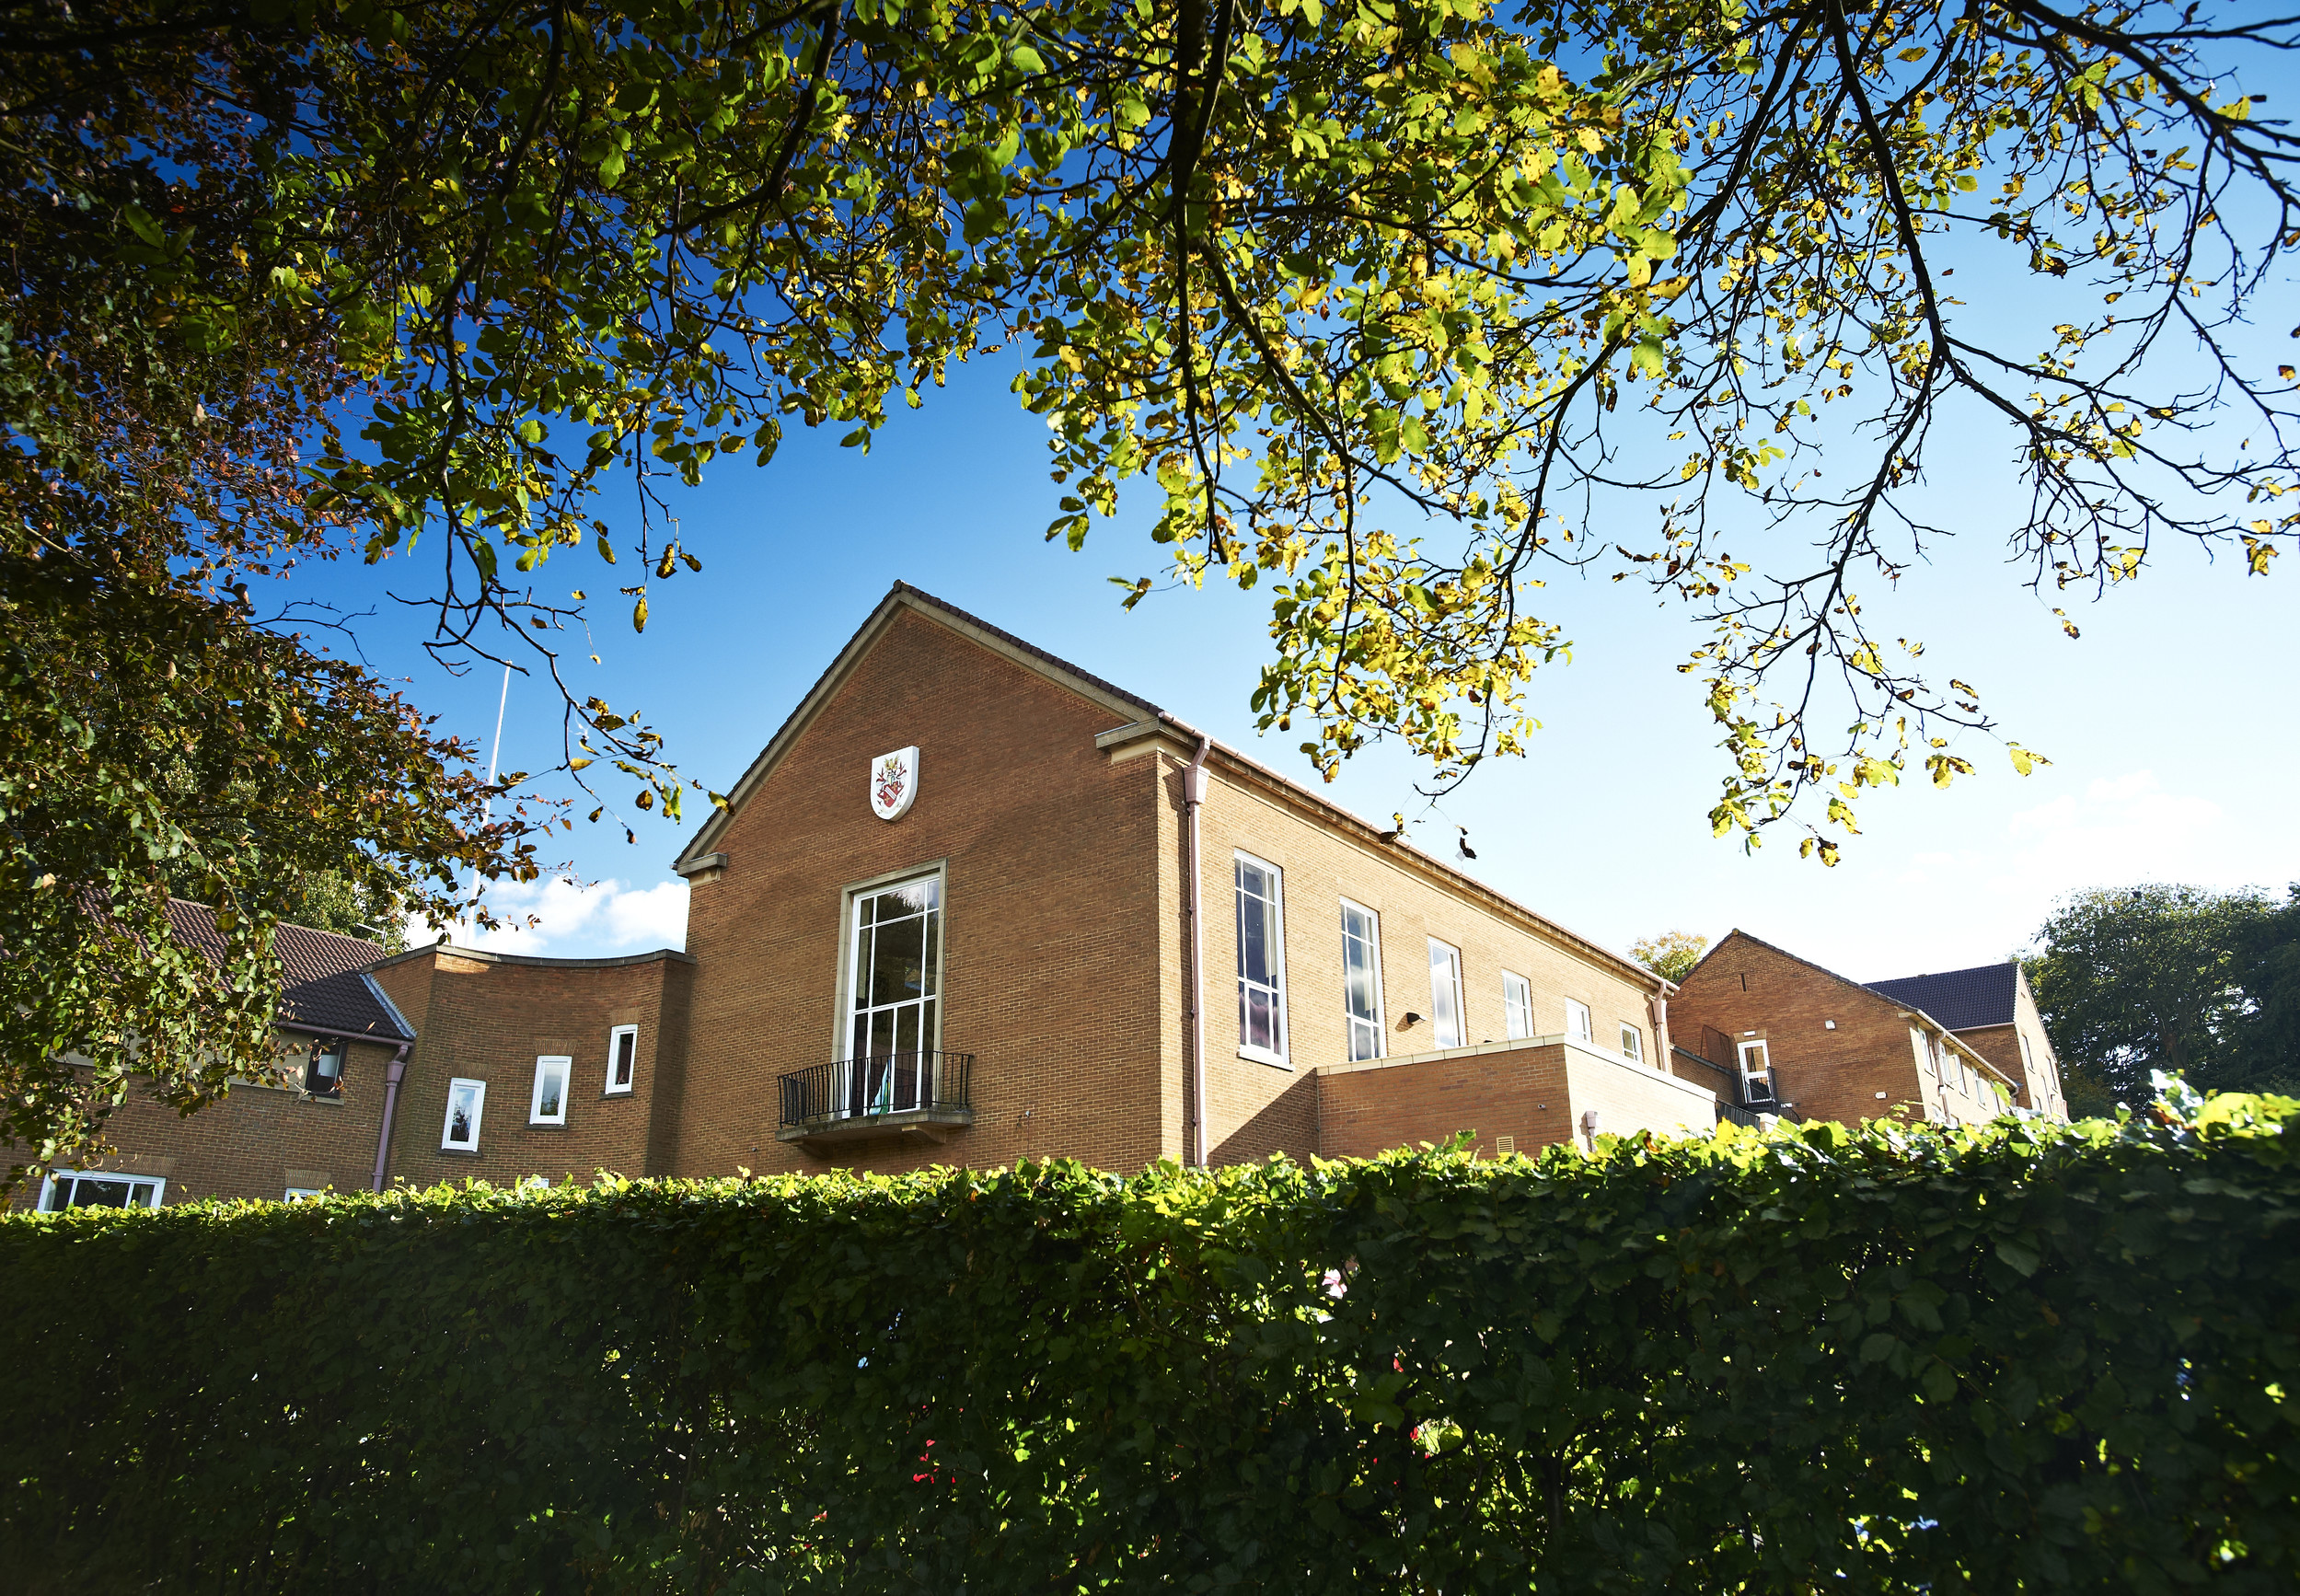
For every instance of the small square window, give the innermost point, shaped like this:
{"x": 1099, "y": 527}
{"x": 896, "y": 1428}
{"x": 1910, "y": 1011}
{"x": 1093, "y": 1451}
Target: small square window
{"x": 1517, "y": 1005}
{"x": 1632, "y": 1043}
{"x": 549, "y": 1104}
{"x": 467, "y": 1099}
{"x": 622, "y": 1059}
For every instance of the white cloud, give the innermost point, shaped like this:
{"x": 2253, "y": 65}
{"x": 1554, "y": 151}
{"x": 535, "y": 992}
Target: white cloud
{"x": 602, "y": 918}
{"x": 1977, "y": 903}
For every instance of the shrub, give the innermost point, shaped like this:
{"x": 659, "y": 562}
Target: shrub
{"x": 2025, "y": 1357}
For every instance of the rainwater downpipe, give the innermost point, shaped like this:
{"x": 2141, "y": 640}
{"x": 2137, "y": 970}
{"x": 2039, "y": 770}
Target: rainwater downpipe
{"x": 399, "y": 1068}
{"x": 1193, "y": 798}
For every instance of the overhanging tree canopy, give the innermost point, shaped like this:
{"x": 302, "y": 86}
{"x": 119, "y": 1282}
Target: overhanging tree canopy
{"x": 1397, "y": 305}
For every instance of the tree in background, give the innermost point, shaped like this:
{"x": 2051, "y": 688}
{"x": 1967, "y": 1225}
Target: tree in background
{"x": 1671, "y": 955}
{"x": 2178, "y": 978}
{"x": 1389, "y": 306}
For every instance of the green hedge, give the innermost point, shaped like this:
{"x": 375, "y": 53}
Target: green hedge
{"x": 2020, "y": 1358}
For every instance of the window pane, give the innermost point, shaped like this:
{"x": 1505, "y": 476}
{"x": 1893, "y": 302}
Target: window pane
{"x": 552, "y": 1098}
{"x": 1362, "y": 981}
{"x": 1517, "y": 1000}
{"x": 625, "y": 1053}
{"x": 1577, "y": 1020}
{"x": 1445, "y": 994}
{"x": 897, "y": 960}
{"x": 1261, "y": 961}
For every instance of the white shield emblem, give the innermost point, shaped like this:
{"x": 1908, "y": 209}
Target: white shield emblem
{"x": 894, "y": 783}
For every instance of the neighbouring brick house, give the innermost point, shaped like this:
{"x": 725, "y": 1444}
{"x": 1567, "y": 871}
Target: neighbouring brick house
{"x": 1773, "y": 1033}
{"x": 1993, "y": 1012}
{"x": 971, "y": 905}
{"x": 317, "y": 1124}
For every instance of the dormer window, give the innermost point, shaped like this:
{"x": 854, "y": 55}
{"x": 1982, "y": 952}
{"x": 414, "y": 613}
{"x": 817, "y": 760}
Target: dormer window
{"x": 323, "y": 1070}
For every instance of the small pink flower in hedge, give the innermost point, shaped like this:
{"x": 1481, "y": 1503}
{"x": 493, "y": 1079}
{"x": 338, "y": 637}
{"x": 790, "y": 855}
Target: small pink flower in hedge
{"x": 1334, "y": 1285}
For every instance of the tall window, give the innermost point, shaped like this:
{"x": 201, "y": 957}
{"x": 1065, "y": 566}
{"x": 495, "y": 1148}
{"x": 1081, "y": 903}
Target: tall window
{"x": 622, "y": 1059}
{"x": 69, "y": 1188}
{"x": 466, "y": 1101}
{"x": 1361, "y": 981}
{"x": 548, "y": 1106}
{"x": 1577, "y": 1021}
{"x": 1445, "y": 993}
{"x": 1517, "y": 1005}
{"x": 1261, "y": 960}
{"x": 1632, "y": 1042}
{"x": 1756, "y": 1074}
{"x": 893, "y": 1004}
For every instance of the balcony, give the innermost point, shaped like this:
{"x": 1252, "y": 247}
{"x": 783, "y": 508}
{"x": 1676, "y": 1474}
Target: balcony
{"x": 925, "y": 1094}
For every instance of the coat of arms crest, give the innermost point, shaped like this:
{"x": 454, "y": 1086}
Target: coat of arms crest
{"x": 894, "y": 782}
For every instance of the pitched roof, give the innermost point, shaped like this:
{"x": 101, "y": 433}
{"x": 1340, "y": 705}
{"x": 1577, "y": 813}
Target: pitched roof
{"x": 903, "y": 596}
{"x": 1875, "y": 989}
{"x": 1961, "y": 999}
{"x": 325, "y": 986}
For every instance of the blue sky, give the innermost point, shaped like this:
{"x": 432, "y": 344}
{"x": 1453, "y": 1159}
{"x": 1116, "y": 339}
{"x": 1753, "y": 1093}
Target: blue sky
{"x": 2168, "y": 721}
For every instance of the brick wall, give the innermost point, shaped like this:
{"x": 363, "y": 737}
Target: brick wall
{"x": 1838, "y": 1050}
{"x": 1053, "y": 952}
{"x": 488, "y": 1016}
{"x": 246, "y": 1145}
{"x": 1520, "y": 1093}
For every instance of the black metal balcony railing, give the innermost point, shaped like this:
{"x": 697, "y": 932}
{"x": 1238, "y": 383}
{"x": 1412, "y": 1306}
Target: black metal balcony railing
{"x": 938, "y": 1086}
{"x": 1745, "y": 1118}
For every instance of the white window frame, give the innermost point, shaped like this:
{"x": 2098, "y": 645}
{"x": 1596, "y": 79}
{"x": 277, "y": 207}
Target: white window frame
{"x": 1351, "y": 1019}
{"x": 544, "y": 1063}
{"x": 1578, "y": 1024}
{"x": 1740, "y": 1056}
{"x": 479, "y": 1113}
{"x": 303, "y": 1193}
{"x": 614, "y": 1049}
{"x": 156, "y": 1185}
{"x": 1517, "y": 1006}
{"x": 1632, "y": 1043}
{"x": 1277, "y": 942}
{"x": 850, "y": 946}
{"x": 1445, "y": 964}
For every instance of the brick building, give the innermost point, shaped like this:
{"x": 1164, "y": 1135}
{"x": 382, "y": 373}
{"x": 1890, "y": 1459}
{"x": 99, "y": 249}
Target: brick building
{"x": 1773, "y": 1033}
{"x": 970, "y": 905}
{"x": 318, "y": 1123}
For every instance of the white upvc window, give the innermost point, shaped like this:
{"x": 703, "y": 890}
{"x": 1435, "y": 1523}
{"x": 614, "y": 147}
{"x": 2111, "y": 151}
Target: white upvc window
{"x": 895, "y": 970}
{"x": 1517, "y": 1005}
{"x": 1445, "y": 994}
{"x": 303, "y": 1194}
{"x": 72, "y": 1189}
{"x": 622, "y": 1059}
{"x": 1361, "y": 981}
{"x": 1261, "y": 959}
{"x": 1632, "y": 1042}
{"x": 1577, "y": 1021}
{"x": 1756, "y": 1073}
{"x": 467, "y": 1099}
{"x": 549, "y": 1105}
